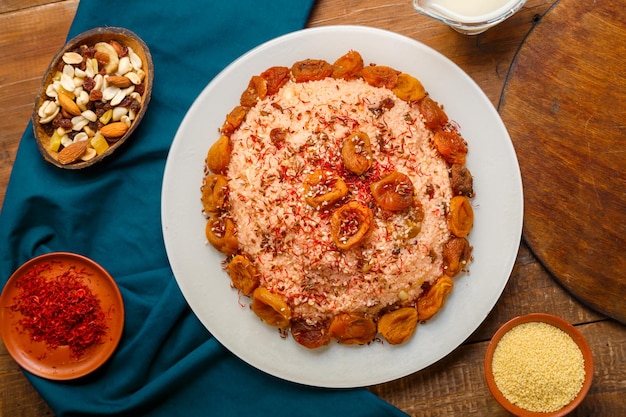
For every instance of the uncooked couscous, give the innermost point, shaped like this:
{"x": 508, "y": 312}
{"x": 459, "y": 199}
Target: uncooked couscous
{"x": 330, "y": 192}
{"x": 538, "y": 367}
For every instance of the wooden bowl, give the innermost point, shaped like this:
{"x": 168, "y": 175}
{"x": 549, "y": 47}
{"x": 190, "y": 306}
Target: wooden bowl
{"x": 555, "y": 321}
{"x": 47, "y": 141}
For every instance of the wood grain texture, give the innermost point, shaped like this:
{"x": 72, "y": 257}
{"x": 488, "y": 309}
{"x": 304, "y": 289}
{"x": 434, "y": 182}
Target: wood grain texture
{"x": 30, "y": 36}
{"x": 31, "y": 32}
{"x": 565, "y": 111}
{"x": 455, "y": 385}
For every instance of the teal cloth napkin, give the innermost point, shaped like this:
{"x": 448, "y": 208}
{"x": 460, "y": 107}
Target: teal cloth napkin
{"x": 167, "y": 363}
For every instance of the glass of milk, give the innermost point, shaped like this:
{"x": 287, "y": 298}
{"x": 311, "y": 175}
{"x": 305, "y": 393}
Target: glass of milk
{"x": 470, "y": 17}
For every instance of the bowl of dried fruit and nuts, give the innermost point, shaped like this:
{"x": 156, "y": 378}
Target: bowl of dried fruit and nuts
{"x": 92, "y": 97}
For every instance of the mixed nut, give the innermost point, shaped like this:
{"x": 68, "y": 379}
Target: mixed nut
{"x": 92, "y": 100}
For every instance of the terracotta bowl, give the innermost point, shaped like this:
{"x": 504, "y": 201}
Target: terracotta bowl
{"x": 44, "y": 132}
{"x": 567, "y": 328}
{"x": 57, "y": 363}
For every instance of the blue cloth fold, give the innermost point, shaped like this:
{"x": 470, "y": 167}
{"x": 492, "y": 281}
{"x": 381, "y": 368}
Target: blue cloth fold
{"x": 167, "y": 363}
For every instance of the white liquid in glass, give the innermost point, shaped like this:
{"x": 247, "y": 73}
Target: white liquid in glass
{"x": 470, "y": 8}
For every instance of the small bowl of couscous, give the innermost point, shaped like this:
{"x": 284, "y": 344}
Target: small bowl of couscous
{"x": 538, "y": 365}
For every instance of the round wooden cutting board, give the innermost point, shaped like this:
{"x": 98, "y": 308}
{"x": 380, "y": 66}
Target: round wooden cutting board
{"x": 564, "y": 105}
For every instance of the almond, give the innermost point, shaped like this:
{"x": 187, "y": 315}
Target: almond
{"x": 114, "y": 130}
{"x": 72, "y": 152}
{"x": 68, "y": 105}
{"x": 119, "y": 81}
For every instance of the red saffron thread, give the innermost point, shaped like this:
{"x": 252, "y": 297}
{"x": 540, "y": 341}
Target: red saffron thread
{"x": 59, "y": 310}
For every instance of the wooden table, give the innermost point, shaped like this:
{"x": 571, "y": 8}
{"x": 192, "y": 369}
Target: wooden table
{"x": 33, "y": 30}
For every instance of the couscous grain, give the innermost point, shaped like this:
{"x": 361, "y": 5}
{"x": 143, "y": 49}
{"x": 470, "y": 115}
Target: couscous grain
{"x": 538, "y": 367}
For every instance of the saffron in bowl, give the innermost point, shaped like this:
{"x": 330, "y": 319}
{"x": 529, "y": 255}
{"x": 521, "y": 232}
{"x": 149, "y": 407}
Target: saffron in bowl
{"x": 61, "y": 315}
{"x": 538, "y": 365}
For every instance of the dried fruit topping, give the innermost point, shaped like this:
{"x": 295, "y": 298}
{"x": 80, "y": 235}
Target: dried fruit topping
{"x": 221, "y": 233}
{"x": 348, "y": 66}
{"x": 461, "y": 181}
{"x": 233, "y": 120}
{"x": 276, "y": 77}
{"x": 243, "y": 274}
{"x": 350, "y": 224}
{"x": 322, "y": 188}
{"x": 451, "y": 146}
{"x": 381, "y": 76}
{"x": 460, "y": 216}
{"x": 270, "y": 308}
{"x": 257, "y": 90}
{"x": 356, "y": 153}
{"x": 457, "y": 253}
{"x": 214, "y": 191}
{"x": 218, "y": 157}
{"x": 311, "y": 70}
{"x": 399, "y": 325}
{"x": 433, "y": 114}
{"x": 353, "y": 329}
{"x": 311, "y": 336}
{"x": 394, "y": 192}
{"x": 409, "y": 88}
{"x": 433, "y": 300}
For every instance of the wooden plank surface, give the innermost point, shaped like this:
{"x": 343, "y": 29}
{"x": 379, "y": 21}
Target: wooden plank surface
{"x": 454, "y": 386}
{"x": 31, "y": 32}
{"x": 565, "y": 110}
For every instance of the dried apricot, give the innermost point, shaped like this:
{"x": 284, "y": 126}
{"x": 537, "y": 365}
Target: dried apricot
{"x": 456, "y": 255}
{"x": 409, "y": 88}
{"x": 270, "y": 308}
{"x": 350, "y": 224}
{"x": 348, "y": 66}
{"x": 394, "y": 192}
{"x": 276, "y": 77}
{"x": 322, "y": 188}
{"x": 460, "y": 216}
{"x": 356, "y": 153}
{"x": 433, "y": 114}
{"x": 243, "y": 274}
{"x": 233, "y": 120}
{"x": 311, "y": 70}
{"x": 352, "y": 329}
{"x": 434, "y": 299}
{"x": 380, "y": 76}
{"x": 399, "y": 325}
{"x": 218, "y": 156}
{"x": 451, "y": 146}
{"x": 220, "y": 233}
{"x": 310, "y": 335}
{"x": 257, "y": 90}
{"x": 214, "y": 191}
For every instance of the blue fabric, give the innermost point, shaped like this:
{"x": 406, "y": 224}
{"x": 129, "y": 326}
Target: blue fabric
{"x": 167, "y": 363}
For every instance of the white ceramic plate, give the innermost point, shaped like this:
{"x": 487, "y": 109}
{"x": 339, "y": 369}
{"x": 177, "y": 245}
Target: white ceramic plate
{"x": 496, "y": 235}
